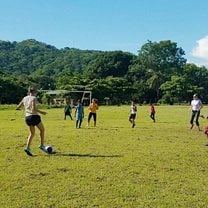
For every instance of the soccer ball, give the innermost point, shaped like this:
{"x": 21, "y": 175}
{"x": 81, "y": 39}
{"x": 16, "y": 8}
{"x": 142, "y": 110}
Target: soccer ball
{"x": 49, "y": 149}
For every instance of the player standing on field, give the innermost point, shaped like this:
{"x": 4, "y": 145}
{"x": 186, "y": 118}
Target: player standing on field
{"x": 152, "y": 112}
{"x": 93, "y": 107}
{"x": 196, "y": 106}
{"x": 133, "y": 111}
{"x": 79, "y": 114}
{"x": 32, "y": 119}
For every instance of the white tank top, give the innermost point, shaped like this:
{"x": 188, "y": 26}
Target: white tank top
{"x": 133, "y": 109}
{"x": 27, "y": 101}
{"x": 196, "y": 105}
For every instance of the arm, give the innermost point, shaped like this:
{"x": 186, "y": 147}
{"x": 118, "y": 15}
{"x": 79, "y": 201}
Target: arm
{"x": 19, "y": 105}
{"x": 82, "y": 112}
{"x": 35, "y": 109}
{"x": 75, "y": 112}
{"x": 41, "y": 112}
{"x": 201, "y": 105}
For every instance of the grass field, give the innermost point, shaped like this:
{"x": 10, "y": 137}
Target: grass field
{"x": 162, "y": 164}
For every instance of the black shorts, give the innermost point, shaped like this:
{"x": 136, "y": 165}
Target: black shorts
{"x": 32, "y": 120}
{"x": 132, "y": 116}
{"x": 94, "y": 116}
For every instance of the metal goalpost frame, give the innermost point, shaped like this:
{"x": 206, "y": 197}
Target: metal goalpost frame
{"x": 83, "y": 95}
{"x": 58, "y": 92}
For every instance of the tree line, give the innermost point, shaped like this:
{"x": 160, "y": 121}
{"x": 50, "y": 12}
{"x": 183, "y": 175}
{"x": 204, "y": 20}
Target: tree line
{"x": 158, "y": 73}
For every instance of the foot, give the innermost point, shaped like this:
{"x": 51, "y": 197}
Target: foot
{"x": 133, "y": 125}
{"x": 192, "y": 125}
{"x": 28, "y": 152}
{"x": 42, "y": 147}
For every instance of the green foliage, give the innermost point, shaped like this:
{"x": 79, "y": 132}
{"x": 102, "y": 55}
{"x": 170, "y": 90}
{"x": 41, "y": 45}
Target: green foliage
{"x": 114, "y": 64}
{"x": 11, "y": 89}
{"x": 158, "y": 72}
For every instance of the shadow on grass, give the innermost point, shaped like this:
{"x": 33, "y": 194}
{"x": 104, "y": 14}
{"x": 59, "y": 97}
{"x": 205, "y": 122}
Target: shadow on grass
{"x": 83, "y": 155}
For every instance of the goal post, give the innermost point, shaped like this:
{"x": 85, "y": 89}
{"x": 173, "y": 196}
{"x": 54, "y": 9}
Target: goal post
{"x": 70, "y": 96}
{"x": 84, "y": 95}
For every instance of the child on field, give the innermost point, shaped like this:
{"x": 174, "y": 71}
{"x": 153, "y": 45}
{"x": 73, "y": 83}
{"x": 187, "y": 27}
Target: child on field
{"x": 152, "y": 112}
{"x": 93, "y": 107}
{"x": 67, "y": 110}
{"x": 79, "y": 114}
{"x": 133, "y": 111}
{"x": 32, "y": 119}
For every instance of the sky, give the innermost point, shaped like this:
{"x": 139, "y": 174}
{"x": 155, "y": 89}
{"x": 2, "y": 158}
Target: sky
{"x": 109, "y": 24}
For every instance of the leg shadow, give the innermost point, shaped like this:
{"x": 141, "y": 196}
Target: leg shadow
{"x": 84, "y": 155}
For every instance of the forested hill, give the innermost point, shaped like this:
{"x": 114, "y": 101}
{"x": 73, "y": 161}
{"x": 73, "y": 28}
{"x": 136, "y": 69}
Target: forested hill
{"x": 29, "y": 56}
{"x": 158, "y": 73}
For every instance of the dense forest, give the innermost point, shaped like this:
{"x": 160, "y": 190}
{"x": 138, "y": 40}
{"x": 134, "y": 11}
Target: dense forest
{"x": 158, "y": 73}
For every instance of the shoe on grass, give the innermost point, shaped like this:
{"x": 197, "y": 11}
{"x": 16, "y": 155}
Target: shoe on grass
{"x": 28, "y": 152}
{"x": 42, "y": 147}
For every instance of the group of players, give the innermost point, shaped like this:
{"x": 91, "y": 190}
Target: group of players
{"x": 79, "y": 112}
{"x": 32, "y": 117}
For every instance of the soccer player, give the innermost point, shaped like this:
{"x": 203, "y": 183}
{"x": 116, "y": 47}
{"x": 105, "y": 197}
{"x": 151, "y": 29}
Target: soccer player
{"x": 79, "y": 114}
{"x": 93, "y": 107}
{"x": 152, "y": 112}
{"x": 32, "y": 118}
{"x": 133, "y": 111}
{"x": 67, "y": 110}
{"x": 196, "y": 106}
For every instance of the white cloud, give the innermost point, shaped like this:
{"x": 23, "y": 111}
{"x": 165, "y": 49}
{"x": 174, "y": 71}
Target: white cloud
{"x": 200, "y": 51}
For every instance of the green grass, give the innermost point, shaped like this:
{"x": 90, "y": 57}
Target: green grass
{"x": 162, "y": 164}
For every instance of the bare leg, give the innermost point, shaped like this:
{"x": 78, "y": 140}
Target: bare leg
{"x": 80, "y": 123}
{"x": 31, "y": 135}
{"x": 133, "y": 123}
{"x": 42, "y": 132}
{"x": 130, "y": 120}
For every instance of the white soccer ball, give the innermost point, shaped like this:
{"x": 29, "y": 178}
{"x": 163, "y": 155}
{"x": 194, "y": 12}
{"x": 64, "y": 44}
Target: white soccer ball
{"x": 49, "y": 149}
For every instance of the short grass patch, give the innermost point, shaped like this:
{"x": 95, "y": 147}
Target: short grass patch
{"x": 162, "y": 164}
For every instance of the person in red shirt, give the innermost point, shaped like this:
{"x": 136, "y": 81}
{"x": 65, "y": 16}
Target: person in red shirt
{"x": 152, "y": 112}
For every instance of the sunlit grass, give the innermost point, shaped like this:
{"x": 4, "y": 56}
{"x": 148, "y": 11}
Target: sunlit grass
{"x": 162, "y": 164}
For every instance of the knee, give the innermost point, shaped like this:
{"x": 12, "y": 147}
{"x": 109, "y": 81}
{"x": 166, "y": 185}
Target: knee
{"x": 42, "y": 130}
{"x": 32, "y": 134}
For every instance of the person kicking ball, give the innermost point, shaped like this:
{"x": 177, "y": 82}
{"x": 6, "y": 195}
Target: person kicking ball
{"x": 32, "y": 119}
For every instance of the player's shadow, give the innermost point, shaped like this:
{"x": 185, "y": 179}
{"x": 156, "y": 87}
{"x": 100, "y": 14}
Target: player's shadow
{"x": 84, "y": 155}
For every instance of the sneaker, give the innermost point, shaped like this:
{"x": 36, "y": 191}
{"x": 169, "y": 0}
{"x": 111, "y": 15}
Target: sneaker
{"x": 42, "y": 147}
{"x": 28, "y": 152}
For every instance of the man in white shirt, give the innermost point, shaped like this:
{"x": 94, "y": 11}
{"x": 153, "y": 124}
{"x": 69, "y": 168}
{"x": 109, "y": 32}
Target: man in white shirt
{"x": 196, "y": 106}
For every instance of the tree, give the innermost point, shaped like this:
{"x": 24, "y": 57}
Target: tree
{"x": 114, "y": 64}
{"x": 163, "y": 56}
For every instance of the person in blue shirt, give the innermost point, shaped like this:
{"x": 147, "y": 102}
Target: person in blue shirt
{"x": 79, "y": 114}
